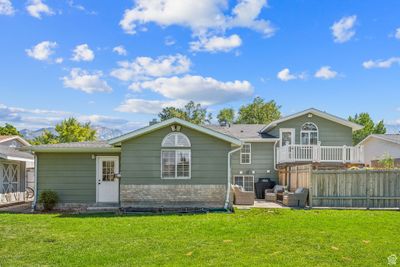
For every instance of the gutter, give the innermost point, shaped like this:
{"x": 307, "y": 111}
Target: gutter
{"x": 276, "y": 142}
{"x": 228, "y": 186}
{"x": 36, "y": 184}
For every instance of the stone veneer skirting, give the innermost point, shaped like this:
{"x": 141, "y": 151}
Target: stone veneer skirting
{"x": 173, "y": 196}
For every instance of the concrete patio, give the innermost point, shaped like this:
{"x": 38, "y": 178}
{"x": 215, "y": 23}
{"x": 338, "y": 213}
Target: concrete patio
{"x": 261, "y": 203}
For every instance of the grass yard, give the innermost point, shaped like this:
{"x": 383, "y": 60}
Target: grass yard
{"x": 257, "y": 237}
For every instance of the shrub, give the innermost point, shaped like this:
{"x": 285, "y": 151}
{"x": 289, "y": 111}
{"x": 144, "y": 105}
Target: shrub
{"x": 49, "y": 199}
{"x": 387, "y": 162}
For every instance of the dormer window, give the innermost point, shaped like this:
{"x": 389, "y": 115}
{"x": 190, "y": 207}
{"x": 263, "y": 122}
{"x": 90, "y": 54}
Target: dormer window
{"x": 309, "y": 134}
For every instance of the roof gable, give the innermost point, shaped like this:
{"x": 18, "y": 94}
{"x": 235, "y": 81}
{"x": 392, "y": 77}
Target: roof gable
{"x": 392, "y": 138}
{"x": 6, "y": 138}
{"x": 352, "y": 125}
{"x": 166, "y": 123}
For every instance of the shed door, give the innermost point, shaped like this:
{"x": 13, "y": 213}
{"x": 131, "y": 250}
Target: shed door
{"x": 10, "y": 182}
{"x": 107, "y": 183}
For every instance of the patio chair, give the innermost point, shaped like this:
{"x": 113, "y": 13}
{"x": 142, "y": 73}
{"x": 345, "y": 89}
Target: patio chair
{"x": 297, "y": 198}
{"x": 242, "y": 197}
{"x": 272, "y": 194}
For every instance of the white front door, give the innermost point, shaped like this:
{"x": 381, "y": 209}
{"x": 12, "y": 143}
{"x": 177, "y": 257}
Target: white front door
{"x": 107, "y": 184}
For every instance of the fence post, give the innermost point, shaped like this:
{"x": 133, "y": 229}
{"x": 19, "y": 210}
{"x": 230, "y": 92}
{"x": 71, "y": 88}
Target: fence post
{"x": 367, "y": 181}
{"x": 344, "y": 153}
{"x": 310, "y": 189}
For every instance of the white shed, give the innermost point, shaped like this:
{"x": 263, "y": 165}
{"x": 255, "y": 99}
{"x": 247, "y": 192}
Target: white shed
{"x": 376, "y": 146}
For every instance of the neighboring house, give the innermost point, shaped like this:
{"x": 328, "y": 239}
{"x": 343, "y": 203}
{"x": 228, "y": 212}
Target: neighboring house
{"x": 16, "y": 169}
{"x": 175, "y": 163}
{"x": 377, "y": 146}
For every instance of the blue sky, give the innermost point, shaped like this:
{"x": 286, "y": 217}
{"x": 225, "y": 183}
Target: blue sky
{"x": 117, "y": 64}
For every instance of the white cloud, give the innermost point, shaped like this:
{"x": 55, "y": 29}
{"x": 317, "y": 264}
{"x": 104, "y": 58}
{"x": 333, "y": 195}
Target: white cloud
{"x": 42, "y": 51}
{"x": 102, "y": 120}
{"x": 82, "y": 53}
{"x": 216, "y": 43}
{"x": 87, "y": 82}
{"x": 59, "y": 60}
{"x": 200, "y": 16}
{"x": 169, "y": 40}
{"x": 120, "y": 50}
{"x": 144, "y": 67}
{"x": 325, "y": 73}
{"x": 342, "y": 30}
{"x": 246, "y": 13}
{"x": 397, "y": 34}
{"x": 40, "y": 118}
{"x": 285, "y": 75}
{"x": 36, "y": 8}
{"x": 381, "y": 63}
{"x": 6, "y": 8}
{"x": 205, "y": 90}
{"x": 135, "y": 105}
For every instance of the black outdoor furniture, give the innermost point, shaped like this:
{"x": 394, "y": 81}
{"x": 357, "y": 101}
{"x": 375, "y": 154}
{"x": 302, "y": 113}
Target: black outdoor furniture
{"x": 261, "y": 185}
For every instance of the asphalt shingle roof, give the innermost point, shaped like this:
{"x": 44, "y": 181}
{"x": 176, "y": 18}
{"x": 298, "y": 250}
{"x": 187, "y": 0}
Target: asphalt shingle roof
{"x": 242, "y": 131}
{"x": 6, "y": 151}
{"x": 87, "y": 144}
{"x": 394, "y": 138}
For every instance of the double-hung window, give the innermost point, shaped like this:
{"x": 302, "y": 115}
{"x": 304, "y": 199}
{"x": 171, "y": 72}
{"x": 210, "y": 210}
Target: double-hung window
{"x": 176, "y": 157}
{"x": 245, "y": 154}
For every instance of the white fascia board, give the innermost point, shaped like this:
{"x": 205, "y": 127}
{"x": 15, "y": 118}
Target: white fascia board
{"x": 165, "y": 123}
{"x": 319, "y": 113}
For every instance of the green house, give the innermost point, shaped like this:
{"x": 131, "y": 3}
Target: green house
{"x": 177, "y": 164}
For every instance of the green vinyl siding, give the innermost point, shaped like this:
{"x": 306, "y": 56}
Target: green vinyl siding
{"x": 141, "y": 159}
{"x": 330, "y": 133}
{"x": 71, "y": 175}
{"x": 262, "y": 161}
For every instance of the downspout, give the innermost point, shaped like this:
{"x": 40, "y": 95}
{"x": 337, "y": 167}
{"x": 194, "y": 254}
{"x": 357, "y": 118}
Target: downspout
{"x": 35, "y": 190}
{"x": 275, "y": 168}
{"x": 228, "y": 186}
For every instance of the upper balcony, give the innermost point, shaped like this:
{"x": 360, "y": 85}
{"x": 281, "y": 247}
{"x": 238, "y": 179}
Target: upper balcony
{"x": 320, "y": 154}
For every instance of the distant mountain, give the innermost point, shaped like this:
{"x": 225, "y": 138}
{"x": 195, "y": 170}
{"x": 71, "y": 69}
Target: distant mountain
{"x": 103, "y": 133}
{"x": 31, "y": 134}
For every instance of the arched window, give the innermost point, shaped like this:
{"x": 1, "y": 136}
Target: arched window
{"x": 176, "y": 157}
{"x": 175, "y": 140}
{"x": 309, "y": 134}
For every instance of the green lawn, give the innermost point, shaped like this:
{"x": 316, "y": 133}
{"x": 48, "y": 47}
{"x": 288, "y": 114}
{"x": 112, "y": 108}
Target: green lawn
{"x": 257, "y": 237}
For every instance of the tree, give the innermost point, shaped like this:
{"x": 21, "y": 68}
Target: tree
{"x": 46, "y": 138}
{"x": 9, "y": 129}
{"x": 226, "y": 115}
{"x": 259, "y": 112}
{"x": 192, "y": 112}
{"x": 71, "y": 130}
{"x": 369, "y": 127}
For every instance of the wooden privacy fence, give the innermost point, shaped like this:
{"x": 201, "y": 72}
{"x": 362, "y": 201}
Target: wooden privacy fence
{"x": 348, "y": 188}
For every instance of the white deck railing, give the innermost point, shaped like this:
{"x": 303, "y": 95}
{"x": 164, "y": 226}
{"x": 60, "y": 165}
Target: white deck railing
{"x": 317, "y": 153}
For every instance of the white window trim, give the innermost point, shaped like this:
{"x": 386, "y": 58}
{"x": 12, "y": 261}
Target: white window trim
{"x": 308, "y": 132}
{"x": 241, "y": 153}
{"x": 243, "y": 175}
{"x": 284, "y": 130}
{"x": 175, "y": 134}
{"x": 176, "y": 169}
